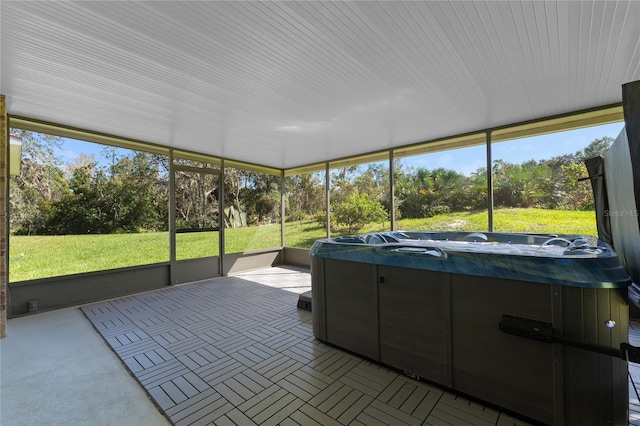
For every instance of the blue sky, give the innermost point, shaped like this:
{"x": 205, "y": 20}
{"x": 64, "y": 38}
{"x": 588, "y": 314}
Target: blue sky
{"x": 72, "y": 149}
{"x": 536, "y": 148}
{"x": 547, "y": 146}
{"x": 464, "y": 161}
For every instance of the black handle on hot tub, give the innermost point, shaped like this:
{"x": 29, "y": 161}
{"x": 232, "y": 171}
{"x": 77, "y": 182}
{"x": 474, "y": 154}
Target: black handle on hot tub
{"x": 543, "y": 331}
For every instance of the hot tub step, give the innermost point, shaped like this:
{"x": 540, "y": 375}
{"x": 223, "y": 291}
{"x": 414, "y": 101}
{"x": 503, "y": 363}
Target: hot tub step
{"x": 304, "y": 301}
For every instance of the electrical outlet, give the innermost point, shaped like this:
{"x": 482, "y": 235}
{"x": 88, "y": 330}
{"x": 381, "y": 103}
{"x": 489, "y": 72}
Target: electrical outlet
{"x": 32, "y": 305}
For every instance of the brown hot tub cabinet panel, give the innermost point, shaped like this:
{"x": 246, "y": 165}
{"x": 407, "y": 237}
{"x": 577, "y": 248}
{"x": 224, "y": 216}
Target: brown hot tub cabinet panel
{"x": 595, "y": 385}
{"x": 428, "y": 305}
{"x": 351, "y": 307}
{"x": 511, "y": 372}
{"x": 414, "y": 322}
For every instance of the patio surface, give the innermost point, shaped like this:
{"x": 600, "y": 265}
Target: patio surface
{"x": 236, "y": 351}
{"x": 232, "y": 350}
{"x": 55, "y": 370}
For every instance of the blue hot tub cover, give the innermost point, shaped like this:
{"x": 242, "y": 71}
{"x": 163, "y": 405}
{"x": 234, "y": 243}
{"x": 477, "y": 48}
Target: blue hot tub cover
{"x": 570, "y": 260}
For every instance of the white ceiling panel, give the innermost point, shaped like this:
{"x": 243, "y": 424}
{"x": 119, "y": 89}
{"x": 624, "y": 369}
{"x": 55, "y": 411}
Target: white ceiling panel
{"x": 284, "y": 84}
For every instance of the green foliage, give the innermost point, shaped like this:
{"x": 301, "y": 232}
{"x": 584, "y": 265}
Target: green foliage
{"x": 356, "y": 211}
{"x": 261, "y": 198}
{"x": 320, "y": 217}
{"x": 574, "y": 194}
{"x": 304, "y": 195}
{"x": 41, "y": 182}
{"x": 598, "y": 147}
{"x": 131, "y": 193}
{"x": 255, "y": 196}
{"x": 425, "y": 193}
{"x": 522, "y": 185}
{"x": 125, "y": 200}
{"x": 196, "y": 196}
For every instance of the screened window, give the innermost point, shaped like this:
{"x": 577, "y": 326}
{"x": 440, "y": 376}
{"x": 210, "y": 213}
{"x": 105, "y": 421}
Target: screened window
{"x": 537, "y": 184}
{"x": 252, "y": 210}
{"x": 359, "y": 197}
{"x": 197, "y": 211}
{"x": 79, "y": 206}
{"x": 442, "y": 190}
{"x": 305, "y": 209}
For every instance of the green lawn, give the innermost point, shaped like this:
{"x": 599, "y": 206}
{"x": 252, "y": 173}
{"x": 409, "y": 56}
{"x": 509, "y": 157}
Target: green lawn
{"x": 529, "y": 220}
{"x": 34, "y": 257}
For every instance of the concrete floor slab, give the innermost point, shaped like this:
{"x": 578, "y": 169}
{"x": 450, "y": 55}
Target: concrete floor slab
{"x": 56, "y": 370}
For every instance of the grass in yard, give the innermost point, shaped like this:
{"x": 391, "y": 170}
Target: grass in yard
{"x": 542, "y": 221}
{"x": 33, "y": 257}
{"x": 460, "y": 221}
{"x": 197, "y": 244}
{"x": 238, "y": 240}
{"x": 530, "y": 220}
{"x": 303, "y": 233}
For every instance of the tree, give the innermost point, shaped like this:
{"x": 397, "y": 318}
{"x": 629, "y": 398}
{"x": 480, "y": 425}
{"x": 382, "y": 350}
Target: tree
{"x": 342, "y": 185}
{"x": 522, "y": 185}
{"x": 197, "y": 204}
{"x": 358, "y": 210}
{"x": 135, "y": 195}
{"x": 598, "y": 147}
{"x": 573, "y": 193}
{"x": 261, "y": 197}
{"x": 121, "y": 198}
{"x": 233, "y": 184}
{"x": 41, "y": 181}
{"x": 374, "y": 180}
{"x": 304, "y": 195}
{"x": 425, "y": 192}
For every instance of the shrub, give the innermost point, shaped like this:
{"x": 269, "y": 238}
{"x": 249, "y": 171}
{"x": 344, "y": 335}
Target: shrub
{"x": 436, "y": 210}
{"x": 357, "y": 211}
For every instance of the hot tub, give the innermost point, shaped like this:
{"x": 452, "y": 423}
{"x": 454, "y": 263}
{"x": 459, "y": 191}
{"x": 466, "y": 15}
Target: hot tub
{"x": 432, "y": 304}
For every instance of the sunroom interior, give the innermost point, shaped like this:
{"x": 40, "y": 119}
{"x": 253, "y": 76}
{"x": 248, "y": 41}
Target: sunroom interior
{"x": 315, "y": 101}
